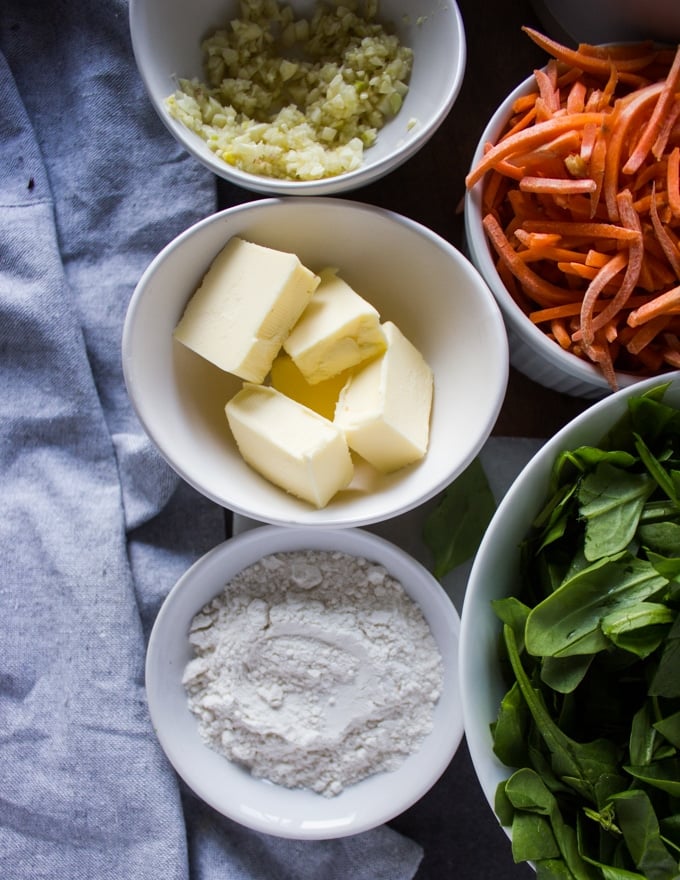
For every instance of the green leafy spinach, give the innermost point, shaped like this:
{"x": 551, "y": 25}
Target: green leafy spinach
{"x": 590, "y": 723}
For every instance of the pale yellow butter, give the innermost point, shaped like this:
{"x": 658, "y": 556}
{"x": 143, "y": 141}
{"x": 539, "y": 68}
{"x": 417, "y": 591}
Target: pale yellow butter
{"x": 338, "y": 330}
{"x": 384, "y": 409}
{"x": 249, "y": 299}
{"x": 321, "y": 397}
{"x": 289, "y": 444}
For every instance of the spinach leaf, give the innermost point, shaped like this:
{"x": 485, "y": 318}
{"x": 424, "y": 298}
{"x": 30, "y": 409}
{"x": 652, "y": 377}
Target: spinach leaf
{"x": 454, "y": 528}
{"x": 569, "y": 620}
{"x": 639, "y": 629}
{"x": 670, "y": 728}
{"x": 612, "y": 501}
{"x": 636, "y": 817}
{"x": 579, "y": 765}
{"x": 666, "y": 681}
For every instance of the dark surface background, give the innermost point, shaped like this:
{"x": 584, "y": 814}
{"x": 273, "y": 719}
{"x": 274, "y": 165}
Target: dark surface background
{"x": 453, "y": 822}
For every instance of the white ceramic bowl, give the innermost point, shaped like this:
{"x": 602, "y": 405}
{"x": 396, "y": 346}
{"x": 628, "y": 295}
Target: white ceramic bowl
{"x": 229, "y": 788}
{"x": 531, "y": 351}
{"x": 494, "y": 575}
{"x": 412, "y": 276}
{"x": 166, "y": 36}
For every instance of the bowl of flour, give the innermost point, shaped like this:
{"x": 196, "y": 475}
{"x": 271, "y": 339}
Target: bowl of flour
{"x": 304, "y": 682}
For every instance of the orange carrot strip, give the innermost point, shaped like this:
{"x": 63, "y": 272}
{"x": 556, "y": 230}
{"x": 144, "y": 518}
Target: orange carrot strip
{"x": 634, "y": 262}
{"x": 576, "y": 98}
{"x": 508, "y": 169}
{"x": 650, "y": 358}
{"x": 588, "y": 141}
{"x": 530, "y": 139}
{"x": 647, "y": 333}
{"x": 623, "y": 50}
{"x": 666, "y": 130}
{"x": 578, "y": 269}
{"x": 656, "y": 120}
{"x": 673, "y": 181}
{"x": 562, "y": 185}
{"x": 663, "y": 237}
{"x": 671, "y": 357}
{"x": 538, "y": 239}
{"x": 591, "y": 63}
{"x": 596, "y": 258}
{"x": 554, "y": 313}
{"x": 601, "y": 354}
{"x": 625, "y": 117}
{"x": 601, "y": 278}
{"x": 547, "y": 89}
{"x": 660, "y": 305}
{"x": 597, "y": 166}
{"x": 559, "y": 331}
{"x": 542, "y": 291}
{"x": 590, "y": 229}
{"x": 554, "y": 254}
{"x": 524, "y": 120}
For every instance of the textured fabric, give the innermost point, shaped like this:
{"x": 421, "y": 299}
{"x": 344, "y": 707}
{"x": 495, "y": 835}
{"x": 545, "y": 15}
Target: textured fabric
{"x": 95, "y": 527}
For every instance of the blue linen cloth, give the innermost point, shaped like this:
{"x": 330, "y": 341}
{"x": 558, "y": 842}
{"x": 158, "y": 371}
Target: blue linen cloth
{"x": 95, "y": 528}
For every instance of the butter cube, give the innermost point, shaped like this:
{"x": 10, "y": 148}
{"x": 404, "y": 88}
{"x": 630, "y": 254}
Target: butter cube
{"x": 384, "y": 409}
{"x": 289, "y": 444}
{"x": 244, "y": 308}
{"x": 322, "y": 397}
{"x": 337, "y": 331}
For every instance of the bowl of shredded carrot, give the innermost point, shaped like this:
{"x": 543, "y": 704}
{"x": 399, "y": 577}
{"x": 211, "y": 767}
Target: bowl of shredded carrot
{"x": 572, "y": 215}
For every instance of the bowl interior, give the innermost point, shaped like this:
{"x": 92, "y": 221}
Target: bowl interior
{"x": 432, "y": 29}
{"x": 494, "y": 575}
{"x": 295, "y": 813}
{"x": 410, "y": 275}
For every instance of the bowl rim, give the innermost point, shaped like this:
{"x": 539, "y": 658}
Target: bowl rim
{"x": 353, "y": 810}
{"x": 327, "y": 519}
{"x": 538, "y": 469}
{"x": 361, "y": 176}
{"x": 481, "y": 255}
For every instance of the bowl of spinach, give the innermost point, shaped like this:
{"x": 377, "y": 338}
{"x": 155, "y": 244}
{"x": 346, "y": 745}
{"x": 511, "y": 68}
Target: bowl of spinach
{"x": 570, "y": 646}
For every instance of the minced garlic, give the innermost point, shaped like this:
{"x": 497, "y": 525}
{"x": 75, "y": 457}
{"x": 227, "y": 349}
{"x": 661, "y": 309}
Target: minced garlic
{"x": 291, "y": 98}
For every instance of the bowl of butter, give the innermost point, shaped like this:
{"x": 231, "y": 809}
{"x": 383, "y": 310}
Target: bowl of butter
{"x": 314, "y": 361}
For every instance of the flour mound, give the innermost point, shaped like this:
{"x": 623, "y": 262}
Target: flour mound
{"x": 313, "y": 669}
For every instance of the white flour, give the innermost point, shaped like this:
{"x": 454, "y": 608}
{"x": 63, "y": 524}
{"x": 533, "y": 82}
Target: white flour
{"x": 314, "y": 669}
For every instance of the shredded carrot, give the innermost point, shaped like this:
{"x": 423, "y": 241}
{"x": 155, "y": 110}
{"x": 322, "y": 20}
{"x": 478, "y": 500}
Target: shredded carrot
{"x": 529, "y": 139}
{"x": 668, "y": 246}
{"x": 660, "y": 305}
{"x": 562, "y": 185}
{"x": 647, "y": 333}
{"x": 560, "y": 333}
{"x": 592, "y": 230}
{"x": 583, "y": 206}
{"x": 655, "y": 122}
{"x": 542, "y": 291}
{"x": 673, "y": 181}
{"x": 591, "y": 63}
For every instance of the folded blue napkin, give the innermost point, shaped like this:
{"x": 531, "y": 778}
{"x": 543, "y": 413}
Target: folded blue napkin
{"x": 95, "y": 528}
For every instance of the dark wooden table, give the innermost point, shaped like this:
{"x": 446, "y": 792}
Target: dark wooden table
{"x": 453, "y": 822}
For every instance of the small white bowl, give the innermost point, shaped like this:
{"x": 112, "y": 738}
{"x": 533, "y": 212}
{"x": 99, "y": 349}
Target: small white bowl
{"x": 531, "y": 351}
{"x": 229, "y": 788}
{"x": 495, "y": 572}
{"x": 412, "y": 276}
{"x": 166, "y": 37}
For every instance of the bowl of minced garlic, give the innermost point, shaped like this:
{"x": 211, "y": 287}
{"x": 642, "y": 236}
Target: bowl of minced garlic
{"x": 315, "y": 361}
{"x": 305, "y": 98}
{"x": 303, "y": 682}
